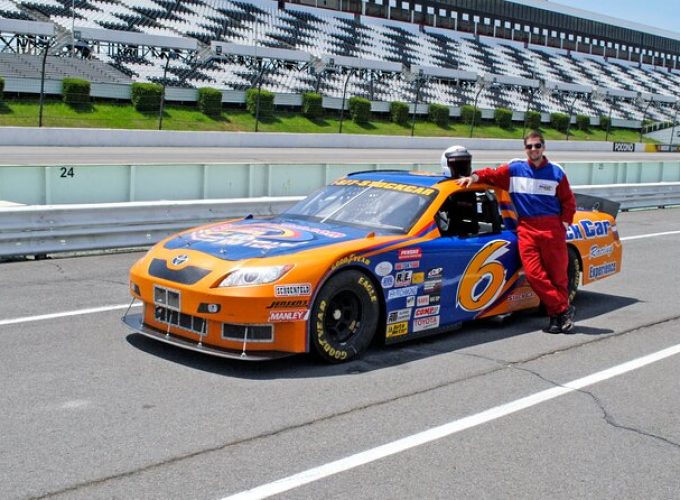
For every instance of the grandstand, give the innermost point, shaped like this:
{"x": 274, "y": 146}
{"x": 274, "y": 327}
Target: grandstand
{"x": 532, "y": 55}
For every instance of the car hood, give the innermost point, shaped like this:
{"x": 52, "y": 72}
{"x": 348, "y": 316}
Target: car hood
{"x": 257, "y": 238}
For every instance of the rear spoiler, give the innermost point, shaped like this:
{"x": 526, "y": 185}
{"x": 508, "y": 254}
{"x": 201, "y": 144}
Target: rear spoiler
{"x": 595, "y": 204}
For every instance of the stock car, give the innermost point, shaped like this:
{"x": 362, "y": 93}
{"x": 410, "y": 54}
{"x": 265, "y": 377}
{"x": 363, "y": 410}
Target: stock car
{"x": 392, "y": 254}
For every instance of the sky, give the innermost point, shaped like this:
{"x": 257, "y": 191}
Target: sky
{"x": 662, "y": 14}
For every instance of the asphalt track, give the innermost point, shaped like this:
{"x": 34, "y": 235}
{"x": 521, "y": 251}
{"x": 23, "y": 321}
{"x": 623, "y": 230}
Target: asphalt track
{"x": 89, "y": 410}
{"x": 22, "y": 155}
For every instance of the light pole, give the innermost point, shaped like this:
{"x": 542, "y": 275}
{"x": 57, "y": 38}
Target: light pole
{"x": 73, "y": 25}
{"x": 42, "y": 83}
{"x": 571, "y": 112}
{"x": 675, "y": 117}
{"x": 167, "y": 56}
{"x": 419, "y": 83}
{"x": 609, "y": 120}
{"x": 482, "y": 83}
{"x": 344, "y": 93}
{"x": 640, "y": 101}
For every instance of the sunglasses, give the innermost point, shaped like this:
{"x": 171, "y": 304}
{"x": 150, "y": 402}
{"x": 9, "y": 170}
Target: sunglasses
{"x": 533, "y": 146}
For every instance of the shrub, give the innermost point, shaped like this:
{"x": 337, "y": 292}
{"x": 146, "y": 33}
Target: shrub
{"x": 533, "y": 120}
{"x": 311, "y": 105}
{"x": 266, "y": 102}
{"x": 75, "y": 91}
{"x": 359, "y": 109}
{"x": 503, "y": 117}
{"x": 2, "y": 87}
{"x": 583, "y": 122}
{"x": 399, "y": 112}
{"x": 467, "y": 113}
{"x": 559, "y": 121}
{"x": 210, "y": 101}
{"x": 604, "y": 122}
{"x": 439, "y": 114}
{"x": 146, "y": 96}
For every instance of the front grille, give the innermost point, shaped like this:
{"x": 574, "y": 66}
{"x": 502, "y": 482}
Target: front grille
{"x": 249, "y": 333}
{"x": 180, "y": 320}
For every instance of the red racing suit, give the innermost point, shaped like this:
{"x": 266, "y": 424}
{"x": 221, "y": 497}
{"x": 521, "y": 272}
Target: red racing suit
{"x": 543, "y": 201}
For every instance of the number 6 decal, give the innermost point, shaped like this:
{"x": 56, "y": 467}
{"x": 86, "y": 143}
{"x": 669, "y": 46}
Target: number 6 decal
{"x": 483, "y": 278}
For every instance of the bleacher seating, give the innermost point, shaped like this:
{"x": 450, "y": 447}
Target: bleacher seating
{"x": 325, "y": 32}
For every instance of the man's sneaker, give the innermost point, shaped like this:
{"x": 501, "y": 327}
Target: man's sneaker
{"x": 554, "y": 325}
{"x": 566, "y": 320}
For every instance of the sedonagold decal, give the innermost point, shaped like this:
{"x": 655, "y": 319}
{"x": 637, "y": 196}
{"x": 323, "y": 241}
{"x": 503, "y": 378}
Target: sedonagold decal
{"x": 296, "y": 290}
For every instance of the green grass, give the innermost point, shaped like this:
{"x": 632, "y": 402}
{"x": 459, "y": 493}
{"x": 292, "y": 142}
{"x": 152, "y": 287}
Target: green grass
{"x": 179, "y": 117}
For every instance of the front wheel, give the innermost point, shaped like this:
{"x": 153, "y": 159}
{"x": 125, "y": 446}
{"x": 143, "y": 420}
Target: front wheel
{"x": 573, "y": 273}
{"x": 344, "y": 317}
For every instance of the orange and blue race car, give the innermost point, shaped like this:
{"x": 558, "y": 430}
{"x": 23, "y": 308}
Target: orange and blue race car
{"x": 392, "y": 254}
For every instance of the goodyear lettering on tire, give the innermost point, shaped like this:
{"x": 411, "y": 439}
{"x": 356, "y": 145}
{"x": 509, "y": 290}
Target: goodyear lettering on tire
{"x": 338, "y": 354}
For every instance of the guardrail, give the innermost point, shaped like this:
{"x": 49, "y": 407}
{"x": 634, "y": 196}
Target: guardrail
{"x": 39, "y": 230}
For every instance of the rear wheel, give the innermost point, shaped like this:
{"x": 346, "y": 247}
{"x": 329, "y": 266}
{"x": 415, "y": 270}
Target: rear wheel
{"x": 344, "y": 317}
{"x": 573, "y": 273}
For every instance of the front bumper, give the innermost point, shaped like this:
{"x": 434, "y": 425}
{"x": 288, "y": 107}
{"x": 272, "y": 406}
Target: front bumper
{"x": 135, "y": 323}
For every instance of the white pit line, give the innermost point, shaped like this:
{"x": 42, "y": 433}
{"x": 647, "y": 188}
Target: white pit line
{"x": 92, "y": 310}
{"x": 442, "y": 431}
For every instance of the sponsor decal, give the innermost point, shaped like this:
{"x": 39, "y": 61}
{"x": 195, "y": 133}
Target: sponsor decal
{"x": 394, "y": 186}
{"x": 351, "y": 259}
{"x": 596, "y": 272}
{"x": 428, "y": 323}
{"x": 410, "y": 301}
{"x": 399, "y": 315}
{"x": 624, "y": 147}
{"x": 421, "y": 312}
{"x": 666, "y": 148}
{"x": 387, "y": 281}
{"x": 417, "y": 278}
{"x": 256, "y": 235}
{"x": 597, "y": 251}
{"x": 296, "y": 290}
{"x": 412, "y": 264}
{"x": 402, "y": 292}
{"x": 432, "y": 285}
{"x": 383, "y": 268}
{"x": 288, "y": 315}
{"x": 435, "y": 299}
{"x": 410, "y": 253}
{"x": 587, "y": 229}
{"x": 397, "y": 329}
{"x": 437, "y": 272}
{"x": 403, "y": 278}
{"x": 423, "y": 300}
{"x": 521, "y": 295}
{"x": 287, "y": 303}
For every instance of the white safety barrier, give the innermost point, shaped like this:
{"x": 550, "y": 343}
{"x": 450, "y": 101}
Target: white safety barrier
{"x": 39, "y": 230}
{"x": 43, "y": 229}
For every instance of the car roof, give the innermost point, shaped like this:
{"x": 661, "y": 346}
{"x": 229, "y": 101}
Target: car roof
{"x": 424, "y": 179}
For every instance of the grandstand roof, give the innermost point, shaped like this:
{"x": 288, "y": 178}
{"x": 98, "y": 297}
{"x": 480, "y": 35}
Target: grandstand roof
{"x": 594, "y": 16}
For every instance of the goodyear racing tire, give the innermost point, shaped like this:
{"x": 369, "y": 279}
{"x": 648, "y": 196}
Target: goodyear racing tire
{"x": 344, "y": 317}
{"x": 573, "y": 273}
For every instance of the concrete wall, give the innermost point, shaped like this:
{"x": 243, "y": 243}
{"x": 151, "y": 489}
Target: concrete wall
{"x": 33, "y": 136}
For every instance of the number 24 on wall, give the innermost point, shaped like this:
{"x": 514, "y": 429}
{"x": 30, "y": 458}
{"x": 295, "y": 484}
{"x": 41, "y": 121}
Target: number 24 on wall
{"x": 65, "y": 172}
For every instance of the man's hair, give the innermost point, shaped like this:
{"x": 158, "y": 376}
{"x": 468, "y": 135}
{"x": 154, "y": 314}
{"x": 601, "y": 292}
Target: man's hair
{"x": 534, "y": 133}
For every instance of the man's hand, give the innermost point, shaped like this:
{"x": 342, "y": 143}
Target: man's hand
{"x": 566, "y": 225}
{"x": 466, "y": 181}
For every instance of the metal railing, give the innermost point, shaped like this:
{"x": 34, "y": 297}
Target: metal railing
{"x": 39, "y": 230}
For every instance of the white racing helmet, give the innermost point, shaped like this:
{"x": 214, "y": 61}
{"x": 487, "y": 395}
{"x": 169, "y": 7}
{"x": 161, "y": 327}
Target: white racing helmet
{"x": 456, "y": 162}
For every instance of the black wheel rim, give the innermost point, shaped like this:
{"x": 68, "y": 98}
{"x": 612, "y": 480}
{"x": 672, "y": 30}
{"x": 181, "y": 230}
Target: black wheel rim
{"x": 343, "y": 316}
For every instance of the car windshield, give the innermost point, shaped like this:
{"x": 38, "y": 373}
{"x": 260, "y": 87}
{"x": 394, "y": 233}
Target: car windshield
{"x": 366, "y": 204}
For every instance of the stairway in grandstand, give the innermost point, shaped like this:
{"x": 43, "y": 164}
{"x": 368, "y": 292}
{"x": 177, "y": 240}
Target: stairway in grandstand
{"x": 326, "y": 32}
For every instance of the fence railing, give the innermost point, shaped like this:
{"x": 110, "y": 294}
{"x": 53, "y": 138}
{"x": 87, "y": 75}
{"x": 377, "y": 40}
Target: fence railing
{"x": 40, "y": 230}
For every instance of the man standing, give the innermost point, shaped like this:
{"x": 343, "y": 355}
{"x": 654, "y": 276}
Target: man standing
{"x": 545, "y": 208}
